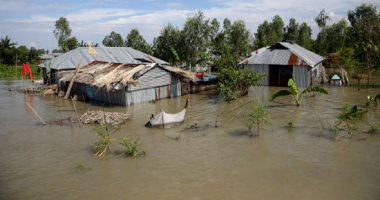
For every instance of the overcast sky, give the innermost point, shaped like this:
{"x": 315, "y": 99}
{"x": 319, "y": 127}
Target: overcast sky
{"x": 31, "y": 22}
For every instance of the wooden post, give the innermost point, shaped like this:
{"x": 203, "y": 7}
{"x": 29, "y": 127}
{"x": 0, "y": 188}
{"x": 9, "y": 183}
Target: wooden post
{"x": 35, "y": 112}
{"x": 71, "y": 83}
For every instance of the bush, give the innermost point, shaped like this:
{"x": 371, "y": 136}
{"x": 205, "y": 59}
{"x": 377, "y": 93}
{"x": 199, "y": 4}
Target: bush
{"x": 234, "y": 82}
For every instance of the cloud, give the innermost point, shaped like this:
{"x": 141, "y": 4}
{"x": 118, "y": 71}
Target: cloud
{"x": 93, "y": 20}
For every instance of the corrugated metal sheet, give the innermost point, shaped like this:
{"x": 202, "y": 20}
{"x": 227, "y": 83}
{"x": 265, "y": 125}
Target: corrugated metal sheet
{"x": 153, "y": 78}
{"x": 155, "y": 93}
{"x": 301, "y": 76}
{"x": 282, "y": 53}
{"x": 262, "y": 69}
{"x": 309, "y": 57}
{"x": 140, "y": 96}
{"x": 80, "y": 55}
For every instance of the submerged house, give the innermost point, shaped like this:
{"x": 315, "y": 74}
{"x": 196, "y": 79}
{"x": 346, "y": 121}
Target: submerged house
{"x": 84, "y": 55}
{"x": 125, "y": 84}
{"x": 283, "y": 61}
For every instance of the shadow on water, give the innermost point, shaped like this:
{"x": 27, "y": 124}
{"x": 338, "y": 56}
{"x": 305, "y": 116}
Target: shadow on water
{"x": 241, "y": 133}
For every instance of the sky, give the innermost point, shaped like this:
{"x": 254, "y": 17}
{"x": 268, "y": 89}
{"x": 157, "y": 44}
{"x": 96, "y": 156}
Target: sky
{"x": 31, "y": 22}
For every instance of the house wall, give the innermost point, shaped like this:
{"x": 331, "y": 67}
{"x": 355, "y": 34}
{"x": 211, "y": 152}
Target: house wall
{"x": 301, "y": 74}
{"x": 263, "y": 69}
{"x": 154, "y": 85}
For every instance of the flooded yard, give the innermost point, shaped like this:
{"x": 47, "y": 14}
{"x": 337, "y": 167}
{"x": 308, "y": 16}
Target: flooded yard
{"x": 194, "y": 160}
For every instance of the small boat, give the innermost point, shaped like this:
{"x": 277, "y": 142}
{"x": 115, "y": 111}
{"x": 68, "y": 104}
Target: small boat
{"x": 163, "y": 118}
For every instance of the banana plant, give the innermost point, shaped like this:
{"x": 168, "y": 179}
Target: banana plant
{"x": 294, "y": 91}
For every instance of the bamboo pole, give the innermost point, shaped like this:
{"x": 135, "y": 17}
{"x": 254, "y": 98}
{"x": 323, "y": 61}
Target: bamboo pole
{"x": 71, "y": 83}
{"x": 34, "y": 111}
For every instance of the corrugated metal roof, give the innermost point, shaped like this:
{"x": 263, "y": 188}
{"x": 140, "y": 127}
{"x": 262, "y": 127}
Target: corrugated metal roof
{"x": 309, "y": 57}
{"x": 284, "y": 53}
{"x": 81, "y": 56}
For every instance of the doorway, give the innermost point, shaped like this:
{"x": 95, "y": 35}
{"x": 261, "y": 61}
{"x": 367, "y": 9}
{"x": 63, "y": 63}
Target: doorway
{"x": 280, "y": 74}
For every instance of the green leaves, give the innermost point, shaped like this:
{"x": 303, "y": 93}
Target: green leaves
{"x": 113, "y": 40}
{"x": 132, "y": 147}
{"x": 293, "y": 87}
{"x": 294, "y": 91}
{"x": 280, "y": 93}
{"x": 312, "y": 89}
{"x": 234, "y": 82}
{"x": 257, "y": 116}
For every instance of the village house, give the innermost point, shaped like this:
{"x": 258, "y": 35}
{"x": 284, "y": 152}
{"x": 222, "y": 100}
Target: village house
{"x": 125, "y": 84}
{"x": 84, "y": 55}
{"x": 283, "y": 61}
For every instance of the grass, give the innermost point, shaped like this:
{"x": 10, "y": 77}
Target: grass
{"x": 11, "y": 72}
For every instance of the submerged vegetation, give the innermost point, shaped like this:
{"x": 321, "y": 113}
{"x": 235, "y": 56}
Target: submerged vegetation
{"x": 102, "y": 146}
{"x": 347, "y": 116}
{"x": 258, "y": 115}
{"x": 132, "y": 147}
{"x": 294, "y": 91}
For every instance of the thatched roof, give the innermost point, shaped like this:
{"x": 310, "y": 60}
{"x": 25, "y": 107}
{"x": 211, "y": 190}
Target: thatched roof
{"x": 102, "y": 74}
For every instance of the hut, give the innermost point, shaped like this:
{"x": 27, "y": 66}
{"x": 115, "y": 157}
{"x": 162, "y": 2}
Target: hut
{"x": 85, "y": 55}
{"x": 125, "y": 84}
{"x": 283, "y": 61}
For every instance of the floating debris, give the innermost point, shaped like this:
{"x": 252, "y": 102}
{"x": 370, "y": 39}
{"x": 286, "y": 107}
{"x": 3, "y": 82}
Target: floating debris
{"x": 102, "y": 118}
{"x": 45, "y": 90}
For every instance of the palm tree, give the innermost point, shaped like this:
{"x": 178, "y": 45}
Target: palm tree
{"x": 294, "y": 91}
{"x": 6, "y": 43}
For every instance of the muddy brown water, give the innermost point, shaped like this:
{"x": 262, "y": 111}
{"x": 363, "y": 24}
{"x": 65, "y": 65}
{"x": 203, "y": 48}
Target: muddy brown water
{"x": 305, "y": 162}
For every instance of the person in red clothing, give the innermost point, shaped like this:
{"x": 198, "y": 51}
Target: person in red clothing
{"x": 26, "y": 70}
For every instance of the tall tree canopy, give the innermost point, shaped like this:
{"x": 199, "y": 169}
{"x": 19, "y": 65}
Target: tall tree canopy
{"x": 365, "y": 32}
{"x": 196, "y": 35}
{"x": 167, "y": 45}
{"x": 270, "y": 33}
{"x": 113, "y": 40}
{"x": 62, "y": 33}
{"x": 137, "y": 41}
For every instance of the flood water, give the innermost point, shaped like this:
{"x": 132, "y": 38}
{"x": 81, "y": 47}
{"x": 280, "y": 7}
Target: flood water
{"x": 305, "y": 162}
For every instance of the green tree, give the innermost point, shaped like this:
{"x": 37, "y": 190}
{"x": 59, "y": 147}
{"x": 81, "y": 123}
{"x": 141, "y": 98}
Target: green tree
{"x": 62, "y": 33}
{"x": 277, "y": 30}
{"x": 196, "y": 35}
{"x": 72, "y": 43}
{"x": 23, "y": 53}
{"x": 332, "y": 38}
{"x": 304, "y": 36}
{"x": 322, "y": 19}
{"x": 137, "y": 41}
{"x": 292, "y": 31}
{"x": 7, "y": 50}
{"x": 269, "y": 33}
{"x": 365, "y": 32}
{"x": 167, "y": 45}
{"x": 234, "y": 82}
{"x": 238, "y": 40}
{"x": 113, "y": 40}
